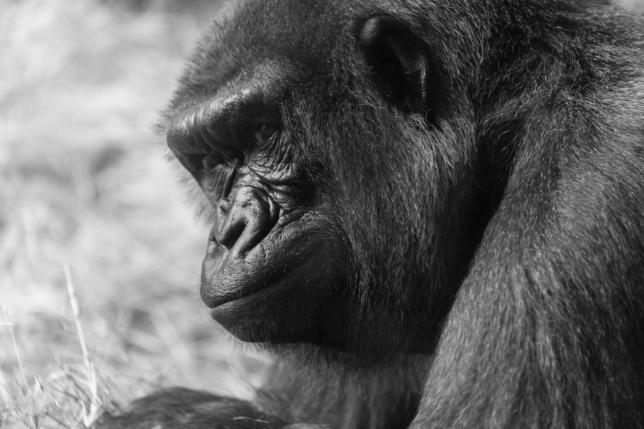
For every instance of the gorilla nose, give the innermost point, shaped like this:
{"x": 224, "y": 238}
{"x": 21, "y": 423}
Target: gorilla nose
{"x": 241, "y": 224}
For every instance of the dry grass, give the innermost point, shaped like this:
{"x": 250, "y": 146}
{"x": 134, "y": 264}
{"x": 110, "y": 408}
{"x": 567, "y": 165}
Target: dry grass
{"x": 85, "y": 186}
{"x": 631, "y": 4}
{"x": 99, "y": 256}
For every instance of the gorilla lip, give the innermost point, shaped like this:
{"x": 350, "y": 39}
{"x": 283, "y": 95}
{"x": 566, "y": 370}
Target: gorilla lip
{"x": 220, "y": 281}
{"x": 282, "y": 258}
{"x": 237, "y": 286}
{"x": 227, "y": 276}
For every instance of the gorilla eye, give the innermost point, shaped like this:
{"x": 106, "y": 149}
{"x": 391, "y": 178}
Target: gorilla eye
{"x": 210, "y": 161}
{"x": 265, "y": 134}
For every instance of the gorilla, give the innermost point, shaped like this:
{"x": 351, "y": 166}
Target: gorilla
{"x": 430, "y": 211}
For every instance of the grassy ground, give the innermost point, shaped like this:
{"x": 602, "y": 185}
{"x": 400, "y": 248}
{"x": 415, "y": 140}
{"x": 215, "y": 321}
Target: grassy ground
{"x": 91, "y": 216}
{"x": 84, "y": 187}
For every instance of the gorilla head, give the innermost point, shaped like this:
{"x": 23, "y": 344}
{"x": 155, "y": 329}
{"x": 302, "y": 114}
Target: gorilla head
{"x": 339, "y": 169}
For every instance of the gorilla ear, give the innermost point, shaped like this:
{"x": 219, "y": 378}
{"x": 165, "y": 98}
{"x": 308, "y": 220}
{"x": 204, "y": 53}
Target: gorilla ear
{"x": 399, "y": 59}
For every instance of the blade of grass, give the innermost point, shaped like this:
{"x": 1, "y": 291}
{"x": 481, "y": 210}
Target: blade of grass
{"x": 89, "y": 416}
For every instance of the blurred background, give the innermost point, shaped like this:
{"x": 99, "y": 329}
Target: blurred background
{"x": 99, "y": 252}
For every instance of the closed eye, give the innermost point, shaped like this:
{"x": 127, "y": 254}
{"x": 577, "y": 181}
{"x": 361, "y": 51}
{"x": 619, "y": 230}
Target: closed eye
{"x": 210, "y": 161}
{"x": 265, "y": 135}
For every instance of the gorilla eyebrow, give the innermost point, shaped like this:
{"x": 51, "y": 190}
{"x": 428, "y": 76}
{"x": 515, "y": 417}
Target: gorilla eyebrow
{"x": 247, "y": 100}
{"x": 217, "y": 120}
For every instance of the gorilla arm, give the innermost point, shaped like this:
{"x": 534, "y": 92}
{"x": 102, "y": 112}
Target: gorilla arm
{"x": 546, "y": 329}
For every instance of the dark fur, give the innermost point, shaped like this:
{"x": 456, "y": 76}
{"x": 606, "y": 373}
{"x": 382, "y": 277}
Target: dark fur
{"x": 184, "y": 408}
{"x": 496, "y": 241}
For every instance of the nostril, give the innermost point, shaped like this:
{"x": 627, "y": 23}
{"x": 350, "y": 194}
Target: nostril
{"x": 250, "y": 218}
{"x": 232, "y": 234}
{"x": 262, "y": 216}
{"x": 230, "y": 230}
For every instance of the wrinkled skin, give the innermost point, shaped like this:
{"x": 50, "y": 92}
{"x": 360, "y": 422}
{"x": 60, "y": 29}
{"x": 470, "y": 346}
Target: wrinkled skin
{"x": 430, "y": 210}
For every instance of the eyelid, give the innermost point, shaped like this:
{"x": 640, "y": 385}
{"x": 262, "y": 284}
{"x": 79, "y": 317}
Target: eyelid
{"x": 211, "y": 160}
{"x": 265, "y": 133}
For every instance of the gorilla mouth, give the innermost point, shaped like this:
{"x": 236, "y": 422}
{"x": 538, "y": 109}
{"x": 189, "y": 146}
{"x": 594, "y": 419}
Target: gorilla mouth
{"x": 229, "y": 276}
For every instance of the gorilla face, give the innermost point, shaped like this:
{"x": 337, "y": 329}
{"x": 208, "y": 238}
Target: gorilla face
{"x": 274, "y": 261}
{"x": 337, "y": 180}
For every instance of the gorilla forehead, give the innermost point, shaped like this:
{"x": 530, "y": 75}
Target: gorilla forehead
{"x": 295, "y": 34}
{"x": 318, "y": 38}
{"x": 287, "y": 27}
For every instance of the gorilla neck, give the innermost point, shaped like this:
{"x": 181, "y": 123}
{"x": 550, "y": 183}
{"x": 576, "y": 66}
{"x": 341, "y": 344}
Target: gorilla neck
{"x": 344, "y": 395}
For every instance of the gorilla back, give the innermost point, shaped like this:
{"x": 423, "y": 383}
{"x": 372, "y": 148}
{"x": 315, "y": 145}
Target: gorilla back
{"x": 431, "y": 209}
